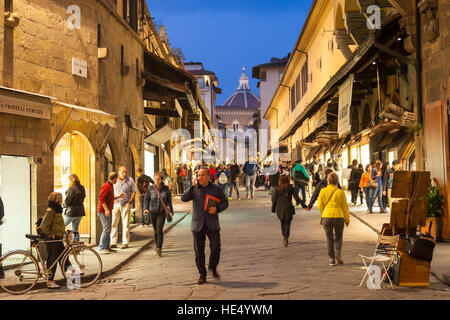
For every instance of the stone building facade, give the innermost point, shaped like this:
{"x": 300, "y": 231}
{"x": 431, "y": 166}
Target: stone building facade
{"x": 71, "y": 101}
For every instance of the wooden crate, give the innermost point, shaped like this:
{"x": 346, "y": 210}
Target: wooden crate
{"x": 412, "y": 272}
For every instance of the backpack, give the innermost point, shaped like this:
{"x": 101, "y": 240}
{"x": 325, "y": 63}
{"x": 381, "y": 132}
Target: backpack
{"x": 223, "y": 178}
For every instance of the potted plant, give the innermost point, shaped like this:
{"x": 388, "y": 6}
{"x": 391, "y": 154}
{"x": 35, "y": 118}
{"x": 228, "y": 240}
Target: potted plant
{"x": 435, "y": 210}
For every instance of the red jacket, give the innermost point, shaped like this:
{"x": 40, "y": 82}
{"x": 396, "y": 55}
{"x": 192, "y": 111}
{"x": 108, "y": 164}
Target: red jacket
{"x": 106, "y": 196}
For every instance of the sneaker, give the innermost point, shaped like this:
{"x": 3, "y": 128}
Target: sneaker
{"x": 382, "y": 210}
{"x": 332, "y": 263}
{"x": 112, "y": 250}
{"x": 159, "y": 252}
{"x": 230, "y": 198}
{"x": 124, "y": 246}
{"x": 104, "y": 251}
{"x": 113, "y": 246}
{"x": 53, "y": 286}
{"x": 285, "y": 243}
{"x": 215, "y": 274}
{"x": 248, "y": 197}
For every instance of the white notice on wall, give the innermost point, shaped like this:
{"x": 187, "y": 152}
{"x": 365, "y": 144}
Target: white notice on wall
{"x": 79, "y": 68}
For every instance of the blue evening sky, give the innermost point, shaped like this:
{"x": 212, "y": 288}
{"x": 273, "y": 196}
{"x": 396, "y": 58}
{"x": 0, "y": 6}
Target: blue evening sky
{"x": 227, "y": 35}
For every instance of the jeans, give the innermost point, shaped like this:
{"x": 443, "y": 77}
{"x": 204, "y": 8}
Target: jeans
{"x": 334, "y": 241}
{"x": 180, "y": 188}
{"x": 224, "y": 188}
{"x": 354, "y": 193}
{"x": 378, "y": 193}
{"x": 158, "y": 220}
{"x": 370, "y": 197}
{"x": 251, "y": 185}
{"x": 117, "y": 214}
{"x": 105, "y": 238}
{"x": 299, "y": 187}
{"x": 75, "y": 224}
{"x": 234, "y": 185}
{"x": 285, "y": 228}
{"x": 199, "y": 248}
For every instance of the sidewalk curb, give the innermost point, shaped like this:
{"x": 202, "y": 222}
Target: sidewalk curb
{"x": 107, "y": 273}
{"x": 443, "y": 280}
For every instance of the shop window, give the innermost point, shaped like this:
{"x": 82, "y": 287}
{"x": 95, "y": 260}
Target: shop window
{"x": 365, "y": 155}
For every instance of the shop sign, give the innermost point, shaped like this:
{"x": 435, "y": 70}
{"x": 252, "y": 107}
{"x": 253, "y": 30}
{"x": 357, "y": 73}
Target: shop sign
{"x": 345, "y": 102}
{"x": 23, "y": 107}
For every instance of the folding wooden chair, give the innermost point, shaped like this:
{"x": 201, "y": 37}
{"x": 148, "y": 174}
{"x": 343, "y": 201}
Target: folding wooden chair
{"x": 386, "y": 254}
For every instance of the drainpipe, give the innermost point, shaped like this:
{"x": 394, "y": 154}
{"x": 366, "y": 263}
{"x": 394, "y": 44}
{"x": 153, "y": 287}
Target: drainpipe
{"x": 419, "y": 65}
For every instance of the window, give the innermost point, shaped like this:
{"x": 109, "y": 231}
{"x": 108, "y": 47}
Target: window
{"x": 99, "y": 36}
{"x": 305, "y": 78}
{"x": 263, "y": 76}
{"x": 130, "y": 13}
{"x": 293, "y": 104}
{"x": 201, "y": 83}
{"x": 122, "y": 53}
{"x": 235, "y": 126}
{"x": 297, "y": 90}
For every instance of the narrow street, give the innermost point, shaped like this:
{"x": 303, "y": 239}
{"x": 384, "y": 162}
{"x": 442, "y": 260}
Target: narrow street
{"x": 254, "y": 264}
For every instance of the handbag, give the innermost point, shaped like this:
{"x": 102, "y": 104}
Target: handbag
{"x": 169, "y": 217}
{"x": 372, "y": 183}
{"x": 327, "y": 204}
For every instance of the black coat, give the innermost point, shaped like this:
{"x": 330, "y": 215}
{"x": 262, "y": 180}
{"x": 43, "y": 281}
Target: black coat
{"x": 200, "y": 217}
{"x": 274, "y": 179}
{"x": 235, "y": 171}
{"x": 355, "y": 178}
{"x": 282, "y": 203}
{"x": 74, "y": 201}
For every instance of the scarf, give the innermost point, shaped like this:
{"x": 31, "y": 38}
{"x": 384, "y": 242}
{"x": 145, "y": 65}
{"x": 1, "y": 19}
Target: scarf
{"x": 55, "y": 206}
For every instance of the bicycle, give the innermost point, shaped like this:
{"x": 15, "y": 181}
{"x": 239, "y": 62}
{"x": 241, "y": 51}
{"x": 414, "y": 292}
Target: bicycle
{"x": 81, "y": 266}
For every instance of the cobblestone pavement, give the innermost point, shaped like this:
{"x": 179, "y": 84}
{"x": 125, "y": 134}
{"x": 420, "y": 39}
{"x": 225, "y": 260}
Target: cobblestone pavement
{"x": 254, "y": 264}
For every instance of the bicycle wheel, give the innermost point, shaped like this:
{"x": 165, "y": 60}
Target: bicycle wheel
{"x": 81, "y": 267}
{"x": 21, "y": 272}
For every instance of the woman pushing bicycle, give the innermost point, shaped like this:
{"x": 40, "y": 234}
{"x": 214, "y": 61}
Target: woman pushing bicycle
{"x": 53, "y": 230}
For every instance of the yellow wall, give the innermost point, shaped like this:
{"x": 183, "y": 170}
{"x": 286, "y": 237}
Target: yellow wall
{"x": 315, "y": 41}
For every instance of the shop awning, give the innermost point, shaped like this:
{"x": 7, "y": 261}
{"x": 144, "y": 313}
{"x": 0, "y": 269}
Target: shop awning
{"x": 79, "y": 113}
{"x": 160, "y": 136}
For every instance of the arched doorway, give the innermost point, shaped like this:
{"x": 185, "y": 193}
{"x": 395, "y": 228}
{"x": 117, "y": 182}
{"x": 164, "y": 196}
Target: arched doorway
{"x": 108, "y": 159}
{"x": 134, "y": 162}
{"x": 74, "y": 154}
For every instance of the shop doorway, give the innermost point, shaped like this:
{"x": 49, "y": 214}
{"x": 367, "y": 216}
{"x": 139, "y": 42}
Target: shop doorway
{"x": 74, "y": 154}
{"x": 15, "y": 190}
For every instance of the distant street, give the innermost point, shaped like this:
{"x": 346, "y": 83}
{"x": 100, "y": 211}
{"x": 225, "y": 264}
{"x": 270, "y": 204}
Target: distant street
{"x": 254, "y": 264}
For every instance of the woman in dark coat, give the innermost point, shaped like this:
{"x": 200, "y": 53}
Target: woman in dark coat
{"x": 353, "y": 183}
{"x": 73, "y": 203}
{"x": 282, "y": 205}
{"x": 154, "y": 207}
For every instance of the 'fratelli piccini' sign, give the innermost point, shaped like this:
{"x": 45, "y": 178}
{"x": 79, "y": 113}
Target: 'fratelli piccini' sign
{"x": 23, "y": 107}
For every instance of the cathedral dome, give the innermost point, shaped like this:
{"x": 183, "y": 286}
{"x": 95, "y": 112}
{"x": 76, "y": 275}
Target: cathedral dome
{"x": 243, "y": 97}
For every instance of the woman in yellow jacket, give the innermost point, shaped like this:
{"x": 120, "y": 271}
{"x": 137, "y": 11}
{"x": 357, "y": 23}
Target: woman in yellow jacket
{"x": 334, "y": 208}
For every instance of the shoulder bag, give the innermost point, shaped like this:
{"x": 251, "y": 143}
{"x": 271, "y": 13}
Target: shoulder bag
{"x": 372, "y": 183}
{"x": 169, "y": 217}
{"x": 327, "y": 204}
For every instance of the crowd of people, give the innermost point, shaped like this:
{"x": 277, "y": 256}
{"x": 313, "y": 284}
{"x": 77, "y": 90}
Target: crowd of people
{"x": 211, "y": 187}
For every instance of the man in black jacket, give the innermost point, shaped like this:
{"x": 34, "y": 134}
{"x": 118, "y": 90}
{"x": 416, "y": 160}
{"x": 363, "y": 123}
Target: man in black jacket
{"x": 2, "y": 214}
{"x": 319, "y": 186}
{"x": 205, "y": 222}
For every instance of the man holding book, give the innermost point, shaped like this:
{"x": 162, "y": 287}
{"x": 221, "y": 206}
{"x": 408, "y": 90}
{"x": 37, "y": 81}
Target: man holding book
{"x": 208, "y": 201}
